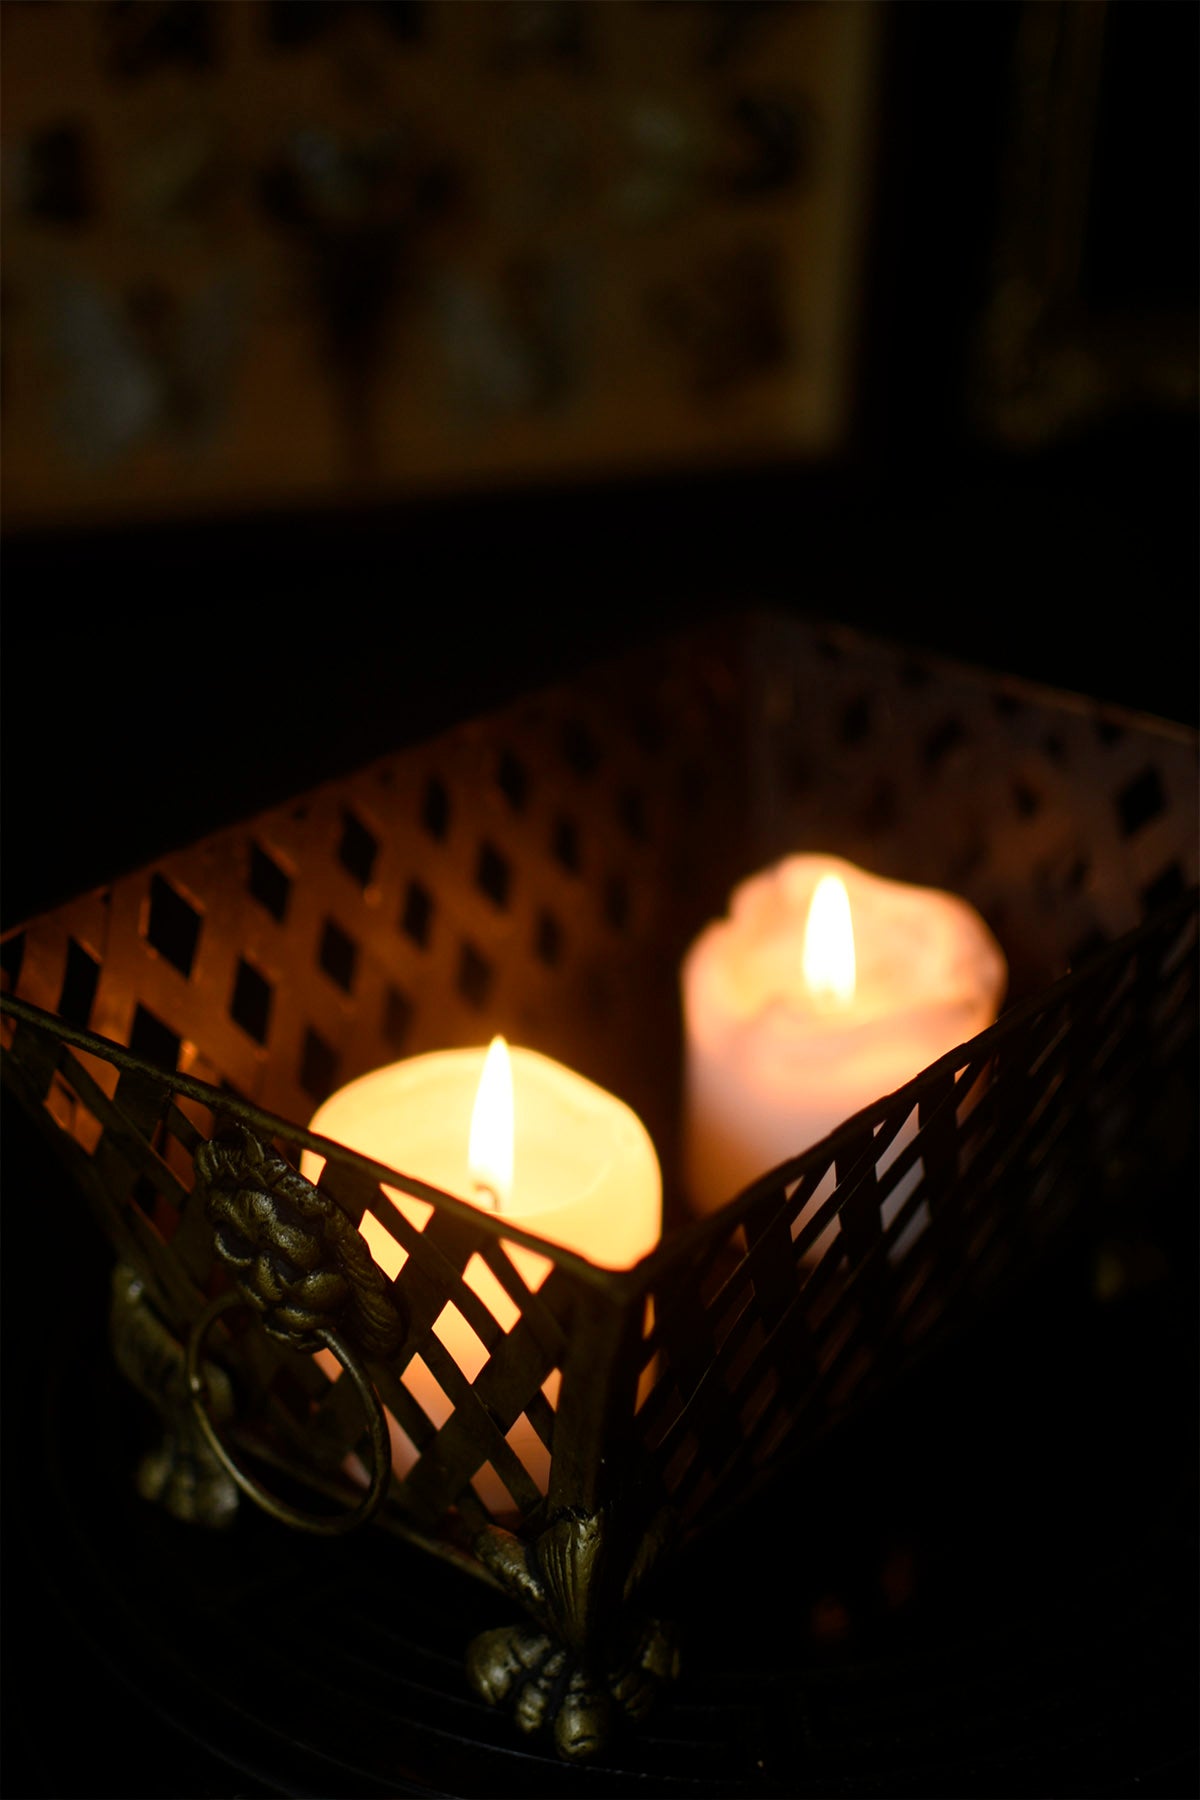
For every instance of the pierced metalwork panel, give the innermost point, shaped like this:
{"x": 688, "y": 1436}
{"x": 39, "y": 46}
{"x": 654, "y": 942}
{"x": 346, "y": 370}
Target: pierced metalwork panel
{"x": 541, "y": 873}
{"x": 555, "y": 1334}
{"x": 1064, "y": 821}
{"x": 523, "y": 874}
{"x": 822, "y": 1280}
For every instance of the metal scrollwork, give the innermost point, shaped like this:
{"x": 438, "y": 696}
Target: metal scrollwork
{"x": 299, "y": 1262}
{"x": 295, "y": 1256}
{"x": 321, "y": 1524}
{"x": 565, "y": 1672}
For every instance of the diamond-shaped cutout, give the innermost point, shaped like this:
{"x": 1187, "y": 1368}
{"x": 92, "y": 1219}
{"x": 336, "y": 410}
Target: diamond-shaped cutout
{"x": 416, "y": 918}
{"x": 1026, "y": 799}
{"x": 386, "y": 1253}
{"x": 914, "y": 1229}
{"x": 154, "y": 1040}
{"x": 814, "y": 1202}
{"x": 268, "y": 882}
{"x": 513, "y": 781}
{"x": 942, "y": 740}
{"x": 1170, "y": 885}
{"x": 900, "y": 1141}
{"x": 318, "y": 1066}
{"x": 493, "y": 1491}
{"x": 530, "y": 1265}
{"x": 474, "y": 976}
{"x": 397, "y": 1016}
{"x": 425, "y": 1389}
{"x": 357, "y": 849}
{"x": 461, "y": 1340}
{"x": 564, "y": 843}
{"x": 172, "y": 925}
{"x": 529, "y": 1449}
{"x": 580, "y": 748}
{"x": 60, "y": 1103}
{"x": 1142, "y": 800}
{"x": 12, "y": 955}
{"x": 80, "y": 980}
{"x": 250, "y": 1006}
{"x": 435, "y": 808}
{"x": 481, "y": 1281}
{"x": 493, "y": 875}
{"x": 547, "y": 942}
{"x": 647, "y": 1377}
{"x": 892, "y": 1205}
{"x": 338, "y": 955}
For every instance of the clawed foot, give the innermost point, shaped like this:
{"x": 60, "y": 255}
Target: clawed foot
{"x": 190, "y": 1484}
{"x": 548, "y": 1687}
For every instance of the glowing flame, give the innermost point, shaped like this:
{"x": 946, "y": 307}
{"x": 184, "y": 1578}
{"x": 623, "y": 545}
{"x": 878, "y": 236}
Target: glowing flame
{"x": 490, "y": 1150}
{"x": 829, "y": 971}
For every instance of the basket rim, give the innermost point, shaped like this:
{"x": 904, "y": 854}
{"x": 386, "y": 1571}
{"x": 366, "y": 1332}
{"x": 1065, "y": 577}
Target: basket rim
{"x": 1025, "y": 688}
{"x": 740, "y": 629}
{"x": 271, "y": 1125}
{"x": 621, "y": 1285}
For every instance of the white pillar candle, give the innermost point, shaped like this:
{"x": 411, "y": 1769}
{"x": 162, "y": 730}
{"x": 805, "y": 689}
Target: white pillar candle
{"x": 787, "y": 1037}
{"x": 533, "y": 1141}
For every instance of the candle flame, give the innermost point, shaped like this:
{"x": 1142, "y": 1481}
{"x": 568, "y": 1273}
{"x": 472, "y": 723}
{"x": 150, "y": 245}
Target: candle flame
{"x": 829, "y": 967}
{"x": 490, "y": 1149}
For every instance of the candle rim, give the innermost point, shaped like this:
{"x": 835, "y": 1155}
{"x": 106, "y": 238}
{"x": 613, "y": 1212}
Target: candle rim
{"x": 976, "y": 965}
{"x": 616, "y": 1118}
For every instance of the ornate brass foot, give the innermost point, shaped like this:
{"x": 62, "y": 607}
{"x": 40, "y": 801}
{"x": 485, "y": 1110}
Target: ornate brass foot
{"x": 579, "y": 1668}
{"x": 181, "y": 1474}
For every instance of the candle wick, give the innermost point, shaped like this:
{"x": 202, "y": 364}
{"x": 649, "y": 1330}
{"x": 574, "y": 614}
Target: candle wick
{"x": 489, "y": 1194}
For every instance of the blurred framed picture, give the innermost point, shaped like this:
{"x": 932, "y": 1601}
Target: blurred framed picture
{"x": 288, "y": 252}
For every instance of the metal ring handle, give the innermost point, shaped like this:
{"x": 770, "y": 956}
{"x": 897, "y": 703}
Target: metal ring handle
{"x": 322, "y": 1525}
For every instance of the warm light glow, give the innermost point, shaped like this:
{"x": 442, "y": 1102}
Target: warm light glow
{"x": 828, "y": 963}
{"x": 490, "y": 1151}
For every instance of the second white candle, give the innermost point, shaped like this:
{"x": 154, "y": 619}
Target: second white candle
{"x": 783, "y": 1043}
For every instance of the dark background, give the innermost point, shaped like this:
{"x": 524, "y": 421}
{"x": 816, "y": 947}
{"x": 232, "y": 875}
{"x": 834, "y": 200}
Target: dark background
{"x": 160, "y": 680}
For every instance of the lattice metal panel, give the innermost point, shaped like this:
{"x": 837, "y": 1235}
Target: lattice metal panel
{"x": 123, "y": 1151}
{"x": 498, "y": 878}
{"x": 1068, "y": 1099}
{"x": 1064, "y": 821}
{"x": 542, "y": 873}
